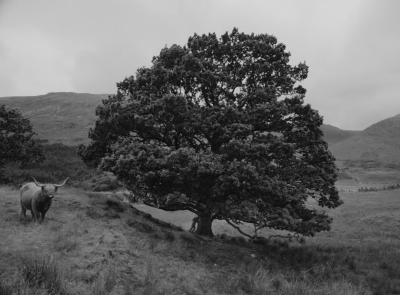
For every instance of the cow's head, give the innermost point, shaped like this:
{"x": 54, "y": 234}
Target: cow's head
{"x": 49, "y": 190}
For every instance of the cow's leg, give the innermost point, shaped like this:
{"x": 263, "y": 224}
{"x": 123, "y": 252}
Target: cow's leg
{"x": 35, "y": 214}
{"x": 43, "y": 214}
{"x": 23, "y": 212}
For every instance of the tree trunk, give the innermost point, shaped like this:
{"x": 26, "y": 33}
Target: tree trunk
{"x": 204, "y": 225}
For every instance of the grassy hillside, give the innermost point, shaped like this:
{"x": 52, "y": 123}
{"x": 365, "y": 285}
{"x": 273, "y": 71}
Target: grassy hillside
{"x": 67, "y": 117}
{"x": 333, "y": 135}
{"x": 91, "y": 244}
{"x": 387, "y": 130}
{"x": 62, "y": 117}
{"x": 380, "y": 142}
{"x": 61, "y": 161}
{"x": 367, "y": 148}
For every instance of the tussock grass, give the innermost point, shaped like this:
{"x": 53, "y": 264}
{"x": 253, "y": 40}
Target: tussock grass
{"x": 97, "y": 198}
{"x": 105, "y": 282}
{"x": 66, "y": 243}
{"x": 5, "y": 290}
{"x": 141, "y": 226}
{"x": 147, "y": 278}
{"x": 188, "y": 238}
{"x": 42, "y": 273}
{"x": 169, "y": 236}
{"x": 253, "y": 278}
{"x": 94, "y": 213}
{"x": 67, "y": 237}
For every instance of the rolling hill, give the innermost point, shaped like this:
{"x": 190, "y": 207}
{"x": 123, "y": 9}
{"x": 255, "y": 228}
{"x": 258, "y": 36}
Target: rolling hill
{"x": 333, "y": 135}
{"x": 379, "y": 142}
{"x": 64, "y": 117}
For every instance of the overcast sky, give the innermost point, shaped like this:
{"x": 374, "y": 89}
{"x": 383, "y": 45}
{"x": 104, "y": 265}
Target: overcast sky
{"x": 352, "y": 47}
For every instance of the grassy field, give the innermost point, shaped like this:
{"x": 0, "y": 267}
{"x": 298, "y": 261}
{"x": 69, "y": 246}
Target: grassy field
{"x": 91, "y": 244}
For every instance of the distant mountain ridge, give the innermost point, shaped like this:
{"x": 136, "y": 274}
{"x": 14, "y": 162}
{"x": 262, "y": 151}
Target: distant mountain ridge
{"x": 333, "y": 135}
{"x": 379, "y": 142}
{"x": 64, "y": 117}
{"x": 387, "y": 130}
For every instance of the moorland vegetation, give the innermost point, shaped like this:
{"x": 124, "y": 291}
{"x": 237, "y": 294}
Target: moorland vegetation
{"x": 91, "y": 245}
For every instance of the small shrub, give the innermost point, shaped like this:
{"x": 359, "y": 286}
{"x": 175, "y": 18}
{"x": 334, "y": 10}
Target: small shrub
{"x": 117, "y": 206}
{"x": 131, "y": 222}
{"x": 302, "y": 240}
{"x": 147, "y": 215}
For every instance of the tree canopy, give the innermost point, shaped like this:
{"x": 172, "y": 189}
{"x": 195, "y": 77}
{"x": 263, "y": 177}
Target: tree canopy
{"x": 219, "y": 127}
{"x": 16, "y": 143}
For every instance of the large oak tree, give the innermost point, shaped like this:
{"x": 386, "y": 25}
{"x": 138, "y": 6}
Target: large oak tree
{"x": 219, "y": 127}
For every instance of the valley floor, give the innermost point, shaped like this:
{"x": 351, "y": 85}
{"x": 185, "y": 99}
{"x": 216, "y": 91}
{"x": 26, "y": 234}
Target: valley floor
{"x": 91, "y": 244}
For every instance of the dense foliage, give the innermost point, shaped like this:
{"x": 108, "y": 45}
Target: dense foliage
{"x": 219, "y": 127}
{"x": 16, "y": 143}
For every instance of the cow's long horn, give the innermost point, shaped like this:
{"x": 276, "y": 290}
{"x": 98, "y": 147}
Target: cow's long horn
{"x": 57, "y": 185}
{"x": 38, "y": 184}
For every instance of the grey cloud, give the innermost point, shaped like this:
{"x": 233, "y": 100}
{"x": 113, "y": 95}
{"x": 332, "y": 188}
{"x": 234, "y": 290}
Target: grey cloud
{"x": 350, "y": 46}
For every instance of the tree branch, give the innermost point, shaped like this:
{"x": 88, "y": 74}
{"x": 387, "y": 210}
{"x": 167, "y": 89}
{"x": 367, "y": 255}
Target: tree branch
{"x": 238, "y": 229}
